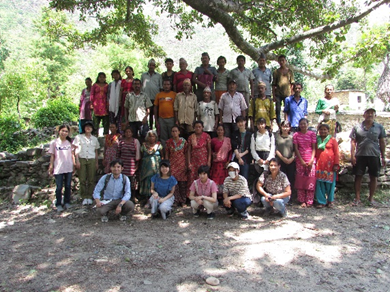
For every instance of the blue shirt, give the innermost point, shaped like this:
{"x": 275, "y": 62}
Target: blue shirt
{"x": 163, "y": 186}
{"x": 295, "y": 111}
{"x": 114, "y": 189}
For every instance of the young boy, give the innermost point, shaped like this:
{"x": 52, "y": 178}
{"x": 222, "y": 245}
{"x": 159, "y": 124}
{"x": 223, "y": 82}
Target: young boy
{"x": 169, "y": 74}
{"x": 203, "y": 192}
{"x": 208, "y": 113}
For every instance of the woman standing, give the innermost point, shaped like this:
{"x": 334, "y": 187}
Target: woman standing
{"x": 111, "y": 144}
{"x": 305, "y": 150}
{"x": 199, "y": 151}
{"x": 222, "y": 74}
{"x": 61, "y": 165}
{"x": 241, "y": 143}
{"x": 85, "y": 104}
{"x": 162, "y": 189}
{"x": 151, "y": 151}
{"x": 126, "y": 87}
{"x": 86, "y": 161}
{"x": 222, "y": 154}
{"x": 285, "y": 153}
{"x": 129, "y": 151}
{"x": 176, "y": 153}
{"x": 327, "y": 156}
{"x": 262, "y": 146}
{"x": 327, "y": 108}
{"x": 99, "y": 104}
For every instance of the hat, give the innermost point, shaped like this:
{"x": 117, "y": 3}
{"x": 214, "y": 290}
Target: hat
{"x": 261, "y": 83}
{"x": 88, "y": 123}
{"x": 207, "y": 89}
{"x": 165, "y": 162}
{"x": 370, "y": 109}
{"x": 234, "y": 165}
{"x": 232, "y": 81}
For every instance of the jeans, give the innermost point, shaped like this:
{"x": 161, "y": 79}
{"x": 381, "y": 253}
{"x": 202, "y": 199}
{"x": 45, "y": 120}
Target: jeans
{"x": 279, "y": 204}
{"x": 164, "y": 207}
{"x": 241, "y": 204}
{"x": 60, "y": 179}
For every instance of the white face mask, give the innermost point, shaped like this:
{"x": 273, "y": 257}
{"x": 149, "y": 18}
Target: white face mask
{"x": 232, "y": 174}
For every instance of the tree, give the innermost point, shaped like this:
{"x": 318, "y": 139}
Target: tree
{"x": 253, "y": 26}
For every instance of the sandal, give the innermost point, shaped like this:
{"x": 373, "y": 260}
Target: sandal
{"x": 374, "y": 204}
{"x": 330, "y": 205}
{"x": 320, "y": 206}
{"x": 356, "y": 203}
{"x": 303, "y": 205}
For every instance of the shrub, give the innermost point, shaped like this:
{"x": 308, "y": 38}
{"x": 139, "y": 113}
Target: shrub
{"x": 56, "y": 112}
{"x": 8, "y": 126}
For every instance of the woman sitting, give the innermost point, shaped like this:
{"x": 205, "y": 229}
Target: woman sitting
{"x": 162, "y": 189}
{"x": 203, "y": 192}
{"x": 275, "y": 189}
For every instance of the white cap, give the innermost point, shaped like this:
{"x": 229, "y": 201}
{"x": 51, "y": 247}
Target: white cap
{"x": 234, "y": 165}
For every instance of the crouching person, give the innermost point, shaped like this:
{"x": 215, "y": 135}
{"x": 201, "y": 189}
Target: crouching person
{"x": 112, "y": 192}
{"x": 236, "y": 194}
{"x": 162, "y": 190}
{"x": 275, "y": 189}
{"x": 203, "y": 192}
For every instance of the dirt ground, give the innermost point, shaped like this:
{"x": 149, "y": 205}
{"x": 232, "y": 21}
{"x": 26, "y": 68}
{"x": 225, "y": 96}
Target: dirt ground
{"x": 340, "y": 249}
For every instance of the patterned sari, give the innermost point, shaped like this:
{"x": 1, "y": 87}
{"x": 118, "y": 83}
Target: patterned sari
{"x": 151, "y": 157}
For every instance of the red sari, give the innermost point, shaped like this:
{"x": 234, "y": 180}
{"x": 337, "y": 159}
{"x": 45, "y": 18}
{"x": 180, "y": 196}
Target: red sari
{"x": 222, "y": 153}
{"x": 177, "y": 157}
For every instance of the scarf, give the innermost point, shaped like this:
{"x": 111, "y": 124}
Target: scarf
{"x": 321, "y": 144}
{"x": 114, "y": 100}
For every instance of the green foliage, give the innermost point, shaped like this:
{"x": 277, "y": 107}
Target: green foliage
{"x": 57, "y": 111}
{"x": 4, "y": 52}
{"x": 9, "y": 124}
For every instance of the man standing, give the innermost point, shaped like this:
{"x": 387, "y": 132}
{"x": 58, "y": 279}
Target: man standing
{"x": 169, "y": 74}
{"x": 231, "y": 105}
{"x": 295, "y": 107}
{"x": 163, "y": 110}
{"x": 282, "y": 82}
{"x": 261, "y": 107}
{"x": 151, "y": 85}
{"x": 367, "y": 149}
{"x": 263, "y": 74}
{"x": 208, "y": 113}
{"x": 137, "y": 107}
{"x": 205, "y": 75}
{"x": 186, "y": 109}
{"x": 112, "y": 192}
{"x": 236, "y": 195}
{"x": 244, "y": 78}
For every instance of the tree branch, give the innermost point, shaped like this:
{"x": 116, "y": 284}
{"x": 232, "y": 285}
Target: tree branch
{"x": 320, "y": 30}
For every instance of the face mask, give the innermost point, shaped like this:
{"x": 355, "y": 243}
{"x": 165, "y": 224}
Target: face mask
{"x": 232, "y": 174}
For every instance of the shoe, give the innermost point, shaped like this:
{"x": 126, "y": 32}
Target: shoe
{"x": 104, "y": 219}
{"x": 68, "y": 206}
{"x": 197, "y": 214}
{"x": 60, "y": 209}
{"x": 230, "y": 212}
{"x": 155, "y": 215}
{"x": 245, "y": 215}
{"x": 123, "y": 218}
{"x": 85, "y": 202}
{"x": 168, "y": 213}
{"x": 284, "y": 215}
{"x": 211, "y": 216}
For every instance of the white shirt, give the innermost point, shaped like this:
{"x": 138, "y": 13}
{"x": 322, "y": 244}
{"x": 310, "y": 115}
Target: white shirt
{"x": 86, "y": 146}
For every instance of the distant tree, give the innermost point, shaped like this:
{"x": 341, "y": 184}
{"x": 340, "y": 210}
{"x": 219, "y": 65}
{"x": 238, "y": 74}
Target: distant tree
{"x": 4, "y": 52}
{"x": 253, "y": 26}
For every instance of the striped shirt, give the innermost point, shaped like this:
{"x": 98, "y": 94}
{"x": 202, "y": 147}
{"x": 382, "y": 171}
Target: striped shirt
{"x": 236, "y": 187}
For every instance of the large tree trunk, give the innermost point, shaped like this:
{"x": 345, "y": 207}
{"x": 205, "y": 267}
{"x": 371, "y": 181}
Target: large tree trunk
{"x": 383, "y": 91}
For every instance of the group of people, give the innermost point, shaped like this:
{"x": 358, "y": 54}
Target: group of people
{"x": 202, "y": 151}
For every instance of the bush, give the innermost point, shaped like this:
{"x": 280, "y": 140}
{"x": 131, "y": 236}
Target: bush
{"x": 56, "y": 112}
{"x": 8, "y": 126}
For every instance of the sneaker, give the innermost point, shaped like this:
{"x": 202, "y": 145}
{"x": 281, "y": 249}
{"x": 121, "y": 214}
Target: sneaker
{"x": 284, "y": 214}
{"x": 60, "y": 209}
{"x": 123, "y": 218}
{"x": 104, "y": 219}
{"x": 245, "y": 215}
{"x": 85, "y": 202}
{"x": 197, "y": 214}
{"x": 211, "y": 216}
{"x": 230, "y": 212}
{"x": 68, "y": 206}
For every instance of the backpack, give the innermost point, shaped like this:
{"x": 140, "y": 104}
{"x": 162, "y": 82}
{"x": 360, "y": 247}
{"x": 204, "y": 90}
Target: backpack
{"x": 107, "y": 179}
